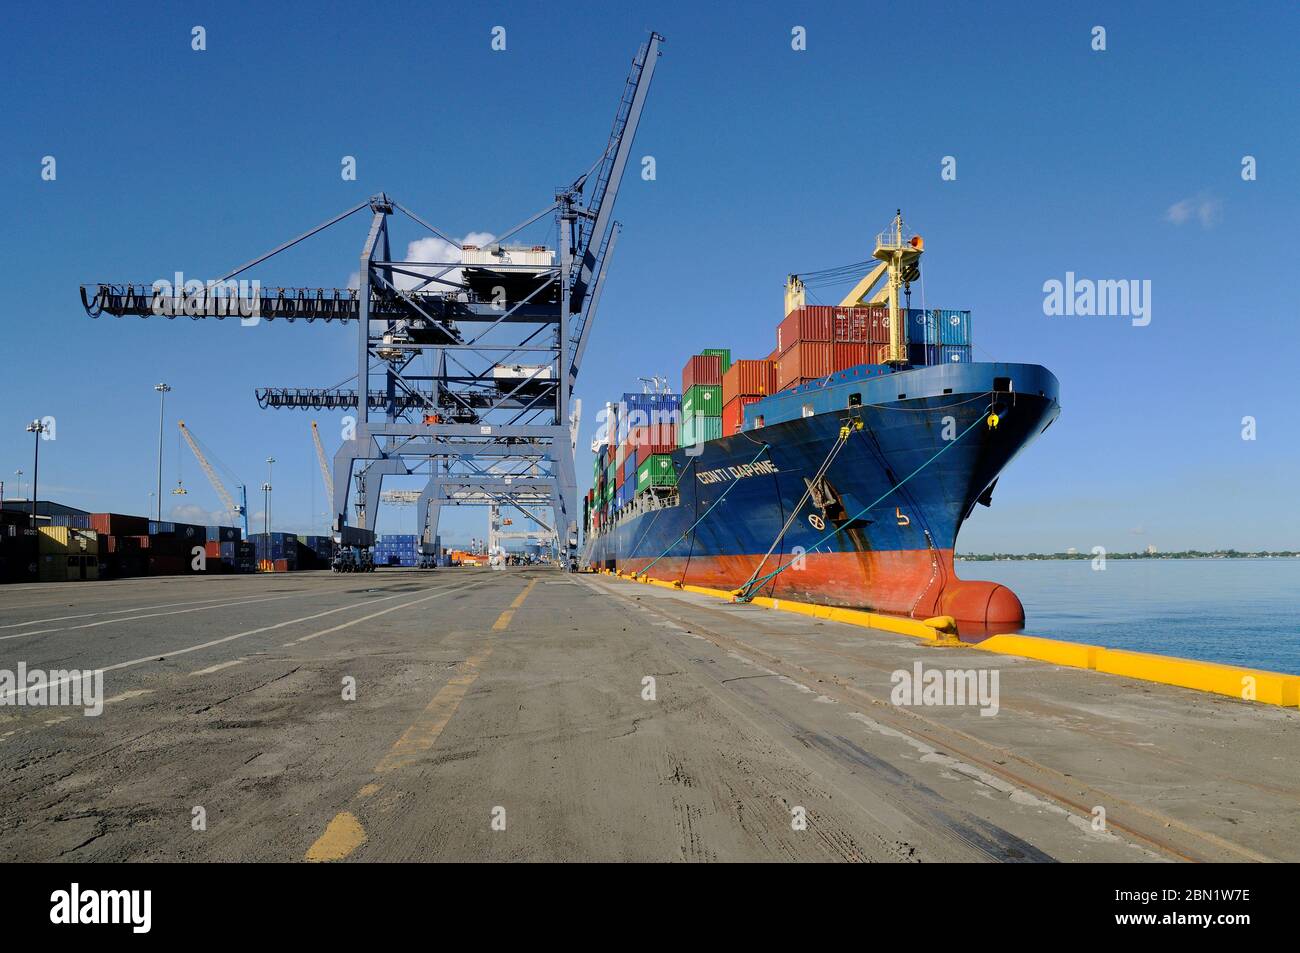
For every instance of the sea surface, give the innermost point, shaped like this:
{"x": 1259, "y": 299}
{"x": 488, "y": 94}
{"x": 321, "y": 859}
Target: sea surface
{"x": 1236, "y": 611}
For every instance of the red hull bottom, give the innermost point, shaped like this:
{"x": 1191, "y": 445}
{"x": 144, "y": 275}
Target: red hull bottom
{"x": 914, "y": 583}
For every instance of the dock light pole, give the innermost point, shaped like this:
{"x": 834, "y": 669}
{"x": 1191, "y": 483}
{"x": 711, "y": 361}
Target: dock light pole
{"x": 37, "y": 428}
{"x": 19, "y": 475}
{"x": 266, "y": 488}
{"x": 162, "y": 390}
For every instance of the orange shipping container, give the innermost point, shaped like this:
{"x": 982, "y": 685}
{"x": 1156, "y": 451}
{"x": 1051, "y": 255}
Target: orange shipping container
{"x": 748, "y": 379}
{"x": 807, "y": 360}
{"x": 733, "y": 414}
{"x": 816, "y": 322}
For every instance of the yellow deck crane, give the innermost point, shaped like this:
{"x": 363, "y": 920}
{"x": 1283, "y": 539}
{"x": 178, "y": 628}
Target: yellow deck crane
{"x": 900, "y": 257}
{"x": 239, "y": 509}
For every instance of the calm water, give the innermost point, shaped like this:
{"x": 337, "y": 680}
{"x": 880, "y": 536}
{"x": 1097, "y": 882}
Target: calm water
{"x": 1238, "y": 611}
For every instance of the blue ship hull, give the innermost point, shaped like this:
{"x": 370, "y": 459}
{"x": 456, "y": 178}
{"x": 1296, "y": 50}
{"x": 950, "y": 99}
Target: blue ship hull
{"x": 878, "y": 530}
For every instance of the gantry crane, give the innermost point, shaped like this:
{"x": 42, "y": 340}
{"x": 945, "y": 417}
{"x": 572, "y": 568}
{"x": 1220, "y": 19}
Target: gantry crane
{"x": 464, "y": 368}
{"x": 239, "y": 509}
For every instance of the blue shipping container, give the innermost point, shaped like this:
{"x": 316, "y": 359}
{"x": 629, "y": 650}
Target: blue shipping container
{"x": 922, "y": 326}
{"x": 642, "y": 410}
{"x": 955, "y": 354}
{"x": 954, "y": 327}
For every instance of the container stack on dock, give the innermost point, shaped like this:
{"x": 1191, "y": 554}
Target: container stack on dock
{"x": 397, "y": 549}
{"x": 66, "y": 553}
{"x": 315, "y": 552}
{"x": 276, "y": 552}
{"x": 18, "y": 548}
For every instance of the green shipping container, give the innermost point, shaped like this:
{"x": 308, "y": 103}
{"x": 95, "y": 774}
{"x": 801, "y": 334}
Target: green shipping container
{"x": 597, "y": 469}
{"x": 699, "y": 429}
{"x": 656, "y": 471}
{"x": 724, "y": 353}
{"x": 702, "y": 400}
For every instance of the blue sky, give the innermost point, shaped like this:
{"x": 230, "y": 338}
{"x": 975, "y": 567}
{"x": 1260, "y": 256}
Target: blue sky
{"x": 768, "y": 161}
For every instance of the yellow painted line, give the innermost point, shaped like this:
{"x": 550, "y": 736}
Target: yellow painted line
{"x": 345, "y": 833}
{"x": 342, "y": 836}
{"x": 422, "y": 735}
{"x": 504, "y": 619}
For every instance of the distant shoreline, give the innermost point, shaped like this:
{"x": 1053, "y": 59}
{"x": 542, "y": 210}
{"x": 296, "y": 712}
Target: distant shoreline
{"x": 1189, "y": 554}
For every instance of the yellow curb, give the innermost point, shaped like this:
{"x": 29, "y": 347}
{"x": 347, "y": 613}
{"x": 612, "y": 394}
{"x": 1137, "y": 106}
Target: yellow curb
{"x": 1073, "y": 654}
{"x": 1246, "y": 684}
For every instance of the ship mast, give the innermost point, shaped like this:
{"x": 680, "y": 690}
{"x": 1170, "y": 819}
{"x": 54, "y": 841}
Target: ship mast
{"x": 901, "y": 256}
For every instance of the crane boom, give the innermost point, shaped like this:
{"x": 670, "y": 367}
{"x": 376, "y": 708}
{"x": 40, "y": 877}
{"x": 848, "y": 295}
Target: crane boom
{"x": 234, "y": 508}
{"x": 324, "y": 463}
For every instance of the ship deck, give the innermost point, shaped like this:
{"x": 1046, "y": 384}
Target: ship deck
{"x": 519, "y": 696}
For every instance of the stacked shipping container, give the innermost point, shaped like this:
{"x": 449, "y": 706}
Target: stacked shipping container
{"x": 812, "y": 343}
{"x": 746, "y": 382}
{"x": 397, "y": 549}
{"x": 702, "y": 397}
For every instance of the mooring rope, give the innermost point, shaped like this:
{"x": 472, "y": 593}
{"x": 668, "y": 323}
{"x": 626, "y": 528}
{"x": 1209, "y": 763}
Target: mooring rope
{"x": 745, "y": 594}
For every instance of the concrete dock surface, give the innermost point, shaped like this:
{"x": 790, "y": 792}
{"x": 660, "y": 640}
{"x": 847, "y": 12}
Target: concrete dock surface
{"x": 526, "y": 714}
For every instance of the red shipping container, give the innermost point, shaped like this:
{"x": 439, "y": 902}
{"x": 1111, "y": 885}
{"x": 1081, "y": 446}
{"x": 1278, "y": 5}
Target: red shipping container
{"x": 807, "y": 360}
{"x": 733, "y": 414}
{"x": 776, "y": 353}
{"x": 748, "y": 379}
{"x": 618, "y": 477}
{"x": 654, "y": 438}
{"x": 852, "y": 325}
{"x": 850, "y": 355}
{"x": 115, "y": 524}
{"x": 124, "y": 544}
{"x": 701, "y": 369}
{"x": 816, "y": 322}
{"x": 878, "y": 324}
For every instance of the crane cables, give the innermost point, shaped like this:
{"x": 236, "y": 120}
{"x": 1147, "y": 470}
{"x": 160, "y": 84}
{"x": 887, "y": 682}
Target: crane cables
{"x": 686, "y": 532}
{"x": 846, "y": 431}
{"x": 835, "y": 276}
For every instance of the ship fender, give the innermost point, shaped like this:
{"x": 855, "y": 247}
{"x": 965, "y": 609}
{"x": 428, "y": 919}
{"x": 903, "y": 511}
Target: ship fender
{"x": 990, "y": 603}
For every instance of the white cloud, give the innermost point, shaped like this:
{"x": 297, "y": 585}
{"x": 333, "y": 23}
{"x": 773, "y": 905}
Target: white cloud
{"x": 431, "y": 249}
{"x": 190, "y": 513}
{"x": 1203, "y": 208}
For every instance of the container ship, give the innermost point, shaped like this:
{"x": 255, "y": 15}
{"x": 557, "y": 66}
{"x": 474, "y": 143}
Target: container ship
{"x": 836, "y": 470}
